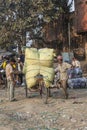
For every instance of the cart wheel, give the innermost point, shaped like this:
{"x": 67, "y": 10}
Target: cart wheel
{"x": 49, "y": 92}
{"x": 26, "y": 92}
{"x": 5, "y": 83}
{"x": 47, "y": 95}
{"x": 44, "y": 93}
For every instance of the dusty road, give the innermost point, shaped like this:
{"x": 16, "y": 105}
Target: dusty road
{"x": 33, "y": 114}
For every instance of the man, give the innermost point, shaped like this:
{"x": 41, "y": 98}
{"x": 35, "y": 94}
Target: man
{"x": 75, "y": 63}
{"x": 76, "y": 68}
{"x": 10, "y": 79}
{"x": 62, "y": 69}
{"x": 20, "y": 68}
{"x": 22, "y": 57}
{"x": 4, "y": 63}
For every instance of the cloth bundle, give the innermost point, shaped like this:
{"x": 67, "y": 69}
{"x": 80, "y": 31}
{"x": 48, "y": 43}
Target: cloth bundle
{"x": 77, "y": 83}
{"x": 38, "y": 62}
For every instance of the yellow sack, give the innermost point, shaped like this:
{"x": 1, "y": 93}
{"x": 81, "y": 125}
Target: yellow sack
{"x": 38, "y": 62}
{"x": 4, "y": 64}
{"x": 31, "y": 56}
{"x": 48, "y": 74}
{"x": 46, "y": 56}
{"x": 14, "y": 66}
{"x": 31, "y": 72}
{"x": 30, "y": 82}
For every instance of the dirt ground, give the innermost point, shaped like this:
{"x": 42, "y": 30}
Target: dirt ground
{"x": 32, "y": 114}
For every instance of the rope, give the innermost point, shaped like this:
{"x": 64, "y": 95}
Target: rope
{"x": 38, "y": 59}
{"x": 40, "y": 70}
{"x": 44, "y": 77}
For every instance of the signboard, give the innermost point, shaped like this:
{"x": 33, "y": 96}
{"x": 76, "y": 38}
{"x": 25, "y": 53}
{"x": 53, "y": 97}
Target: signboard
{"x": 67, "y": 57}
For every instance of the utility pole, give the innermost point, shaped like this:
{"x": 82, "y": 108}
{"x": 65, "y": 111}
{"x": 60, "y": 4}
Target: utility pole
{"x": 69, "y": 41}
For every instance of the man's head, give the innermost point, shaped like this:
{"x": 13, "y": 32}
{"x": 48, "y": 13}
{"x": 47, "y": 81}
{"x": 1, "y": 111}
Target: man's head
{"x": 60, "y": 59}
{"x": 12, "y": 61}
{"x": 73, "y": 58}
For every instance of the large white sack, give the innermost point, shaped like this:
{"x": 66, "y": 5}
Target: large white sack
{"x": 38, "y": 61}
{"x": 31, "y": 72}
{"x": 30, "y": 82}
{"x": 46, "y": 56}
{"x": 48, "y": 75}
{"x": 31, "y": 56}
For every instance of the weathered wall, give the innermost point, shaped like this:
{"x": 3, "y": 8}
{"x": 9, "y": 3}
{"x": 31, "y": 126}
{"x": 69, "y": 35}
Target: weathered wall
{"x": 81, "y": 15}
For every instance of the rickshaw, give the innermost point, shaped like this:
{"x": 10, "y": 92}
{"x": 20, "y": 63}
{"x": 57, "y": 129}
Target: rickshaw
{"x": 39, "y": 87}
{"x": 40, "y": 83}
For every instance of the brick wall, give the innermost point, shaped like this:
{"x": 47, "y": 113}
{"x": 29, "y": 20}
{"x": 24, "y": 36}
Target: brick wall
{"x": 81, "y": 15}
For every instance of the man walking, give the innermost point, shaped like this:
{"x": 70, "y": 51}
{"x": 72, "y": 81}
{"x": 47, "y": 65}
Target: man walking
{"x": 62, "y": 69}
{"x": 10, "y": 79}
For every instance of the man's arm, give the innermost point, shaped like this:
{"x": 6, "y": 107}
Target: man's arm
{"x": 56, "y": 70}
{"x": 68, "y": 66}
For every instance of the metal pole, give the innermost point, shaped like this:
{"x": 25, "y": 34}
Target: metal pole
{"x": 69, "y": 42}
{"x": 69, "y": 36}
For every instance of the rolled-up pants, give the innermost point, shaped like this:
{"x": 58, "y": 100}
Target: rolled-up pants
{"x": 10, "y": 86}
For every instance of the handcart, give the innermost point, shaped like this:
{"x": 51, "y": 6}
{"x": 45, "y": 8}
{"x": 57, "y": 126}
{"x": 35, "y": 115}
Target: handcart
{"x": 39, "y": 87}
{"x": 40, "y": 61}
{"x": 45, "y": 93}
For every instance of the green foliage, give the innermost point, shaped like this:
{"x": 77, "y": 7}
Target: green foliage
{"x": 19, "y": 16}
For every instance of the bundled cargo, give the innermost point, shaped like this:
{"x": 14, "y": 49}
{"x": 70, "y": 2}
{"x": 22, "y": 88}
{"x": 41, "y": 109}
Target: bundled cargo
{"x": 31, "y": 56}
{"x": 39, "y": 62}
{"x": 46, "y": 57}
{"x": 75, "y": 73}
{"x": 77, "y": 83}
{"x": 31, "y": 72}
{"x": 48, "y": 75}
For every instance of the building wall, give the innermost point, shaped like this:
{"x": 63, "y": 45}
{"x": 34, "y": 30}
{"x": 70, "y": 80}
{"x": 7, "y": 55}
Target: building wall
{"x": 81, "y": 15}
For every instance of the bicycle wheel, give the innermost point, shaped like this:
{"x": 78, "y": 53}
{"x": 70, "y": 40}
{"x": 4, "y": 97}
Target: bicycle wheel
{"x": 44, "y": 92}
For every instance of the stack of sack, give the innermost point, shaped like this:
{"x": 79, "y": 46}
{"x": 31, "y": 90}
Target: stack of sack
{"x": 38, "y": 62}
{"x": 74, "y": 73}
{"x": 77, "y": 83}
{"x": 75, "y": 78}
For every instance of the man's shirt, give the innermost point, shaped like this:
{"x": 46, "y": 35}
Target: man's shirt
{"x": 62, "y": 68}
{"x": 9, "y": 70}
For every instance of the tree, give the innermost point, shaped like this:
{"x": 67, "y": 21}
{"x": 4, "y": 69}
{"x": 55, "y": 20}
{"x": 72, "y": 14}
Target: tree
{"x": 21, "y": 16}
